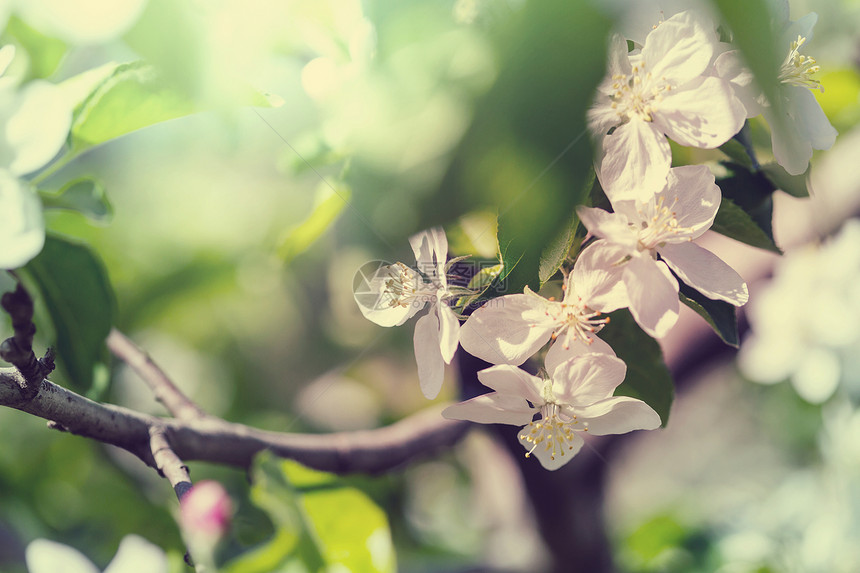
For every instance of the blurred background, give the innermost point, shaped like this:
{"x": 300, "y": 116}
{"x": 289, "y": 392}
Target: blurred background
{"x": 236, "y": 233}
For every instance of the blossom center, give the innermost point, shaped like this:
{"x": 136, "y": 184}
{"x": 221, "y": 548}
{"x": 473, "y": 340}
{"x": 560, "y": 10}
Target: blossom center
{"x": 797, "y": 69}
{"x": 659, "y": 225}
{"x": 555, "y": 430}
{"x": 576, "y": 320}
{"x": 403, "y": 286}
{"x": 636, "y": 94}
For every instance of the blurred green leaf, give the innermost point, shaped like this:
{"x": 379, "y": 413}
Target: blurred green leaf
{"x": 734, "y": 222}
{"x": 44, "y": 53}
{"x": 648, "y": 379}
{"x": 132, "y": 97}
{"x": 330, "y": 204}
{"x": 85, "y": 195}
{"x": 75, "y": 288}
{"x": 526, "y": 154}
{"x": 321, "y": 524}
{"x": 751, "y": 191}
{"x": 721, "y": 315}
{"x": 752, "y": 32}
{"x": 794, "y": 185}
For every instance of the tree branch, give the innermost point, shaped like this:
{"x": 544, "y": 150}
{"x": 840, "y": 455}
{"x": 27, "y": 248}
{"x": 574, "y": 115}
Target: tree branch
{"x": 168, "y": 463}
{"x": 166, "y": 392}
{"x": 215, "y": 440}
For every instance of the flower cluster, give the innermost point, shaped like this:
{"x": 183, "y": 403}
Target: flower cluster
{"x": 679, "y": 82}
{"x": 816, "y": 345}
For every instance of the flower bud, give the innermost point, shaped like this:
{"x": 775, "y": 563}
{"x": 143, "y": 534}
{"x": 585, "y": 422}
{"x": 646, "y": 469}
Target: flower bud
{"x": 205, "y": 513}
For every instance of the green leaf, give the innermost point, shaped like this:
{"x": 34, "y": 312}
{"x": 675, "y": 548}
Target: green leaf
{"x": 750, "y": 23}
{"x": 734, "y": 222}
{"x": 557, "y": 251}
{"x": 794, "y": 185}
{"x": 330, "y": 204}
{"x": 85, "y": 195}
{"x": 648, "y": 379}
{"x": 721, "y": 315}
{"x": 526, "y": 155}
{"x": 132, "y": 97}
{"x": 320, "y": 523}
{"x": 75, "y": 288}
{"x": 43, "y": 52}
{"x": 485, "y": 277}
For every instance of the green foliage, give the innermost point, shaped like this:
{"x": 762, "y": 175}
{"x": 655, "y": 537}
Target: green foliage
{"x": 558, "y": 251}
{"x": 85, "y": 195}
{"x": 526, "y": 153}
{"x": 132, "y": 97}
{"x": 320, "y": 523}
{"x": 44, "y": 53}
{"x": 750, "y": 23}
{"x": 751, "y": 192}
{"x": 329, "y": 205}
{"x": 721, "y": 315}
{"x": 794, "y": 185}
{"x": 76, "y": 291}
{"x": 647, "y": 379}
{"x": 734, "y": 222}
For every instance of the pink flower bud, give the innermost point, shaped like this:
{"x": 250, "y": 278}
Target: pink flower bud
{"x": 205, "y": 512}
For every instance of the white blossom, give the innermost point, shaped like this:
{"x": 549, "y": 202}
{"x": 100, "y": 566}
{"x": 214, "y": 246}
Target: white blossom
{"x": 642, "y": 240}
{"x": 666, "y": 89}
{"x": 575, "y": 399}
{"x": 395, "y": 293}
{"x": 802, "y": 126}
{"x": 511, "y": 328}
{"x": 806, "y": 324}
{"x": 135, "y": 554}
{"x": 22, "y": 228}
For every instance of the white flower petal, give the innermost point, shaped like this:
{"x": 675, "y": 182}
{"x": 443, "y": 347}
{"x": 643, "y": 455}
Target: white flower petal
{"x": 36, "y": 127}
{"x": 653, "y": 295}
{"x": 679, "y": 49}
{"x": 44, "y": 556}
{"x": 377, "y": 303}
{"x": 817, "y": 376}
{"x": 769, "y": 359}
{"x": 693, "y": 195}
{"x": 802, "y": 27}
{"x": 813, "y": 124}
{"x": 618, "y": 415}
{"x": 492, "y": 408}
{"x": 636, "y": 160}
{"x": 7, "y": 54}
{"x": 557, "y": 353}
{"x": 431, "y": 252}
{"x": 506, "y": 330}
{"x": 705, "y": 272}
{"x": 510, "y": 380}
{"x": 545, "y": 456}
{"x": 731, "y": 68}
{"x": 596, "y": 276}
{"x": 431, "y": 366}
{"x": 587, "y": 379}
{"x": 449, "y": 331}
{"x": 22, "y": 228}
{"x": 135, "y": 553}
{"x": 704, "y": 113}
{"x": 605, "y": 225}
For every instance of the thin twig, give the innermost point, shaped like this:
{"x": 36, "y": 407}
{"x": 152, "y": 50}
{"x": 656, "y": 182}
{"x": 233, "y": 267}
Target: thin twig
{"x": 167, "y": 462}
{"x": 166, "y": 392}
{"x": 215, "y": 440}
